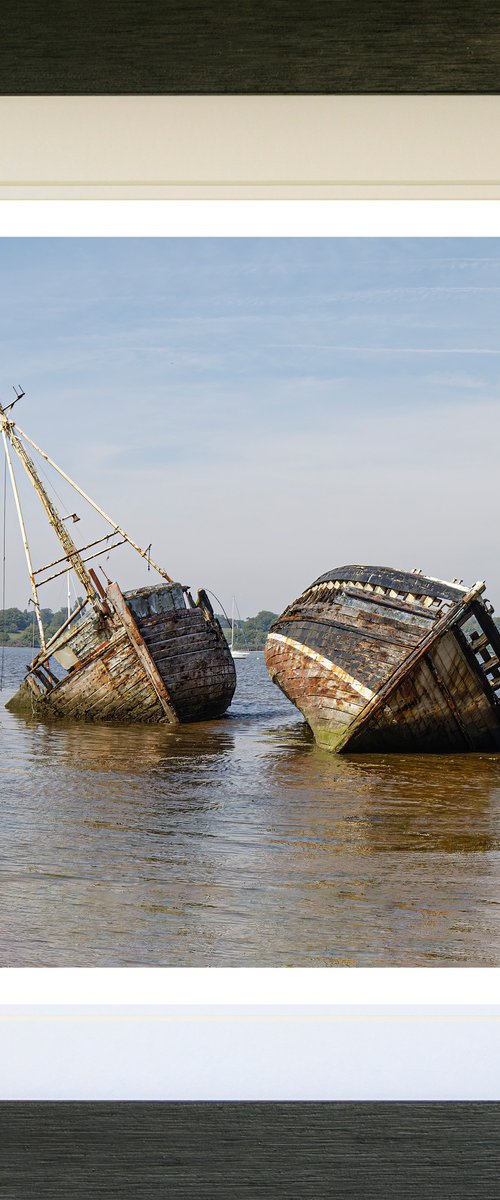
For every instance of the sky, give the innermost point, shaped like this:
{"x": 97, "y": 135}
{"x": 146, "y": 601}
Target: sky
{"x": 261, "y": 409}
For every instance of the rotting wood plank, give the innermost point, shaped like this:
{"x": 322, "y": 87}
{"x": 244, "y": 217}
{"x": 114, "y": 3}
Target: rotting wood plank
{"x": 445, "y": 691}
{"x": 132, "y": 693}
{"x": 412, "y": 719}
{"x": 121, "y": 608}
{"x": 138, "y": 694}
{"x": 456, "y": 614}
{"x": 207, "y": 686}
{"x": 177, "y": 662}
{"x": 371, "y": 614}
{"x": 397, "y": 607}
{"x": 283, "y": 659}
{"x": 424, "y": 709}
{"x": 372, "y": 634}
{"x": 487, "y": 623}
{"x": 97, "y": 652}
{"x": 180, "y": 645}
{"x": 399, "y": 581}
{"x": 480, "y": 643}
{"x": 91, "y": 692}
{"x": 103, "y": 681}
{"x": 193, "y": 659}
{"x": 467, "y": 686}
{"x": 419, "y": 717}
{"x": 192, "y": 664}
{"x": 483, "y": 680}
{"x": 488, "y": 665}
{"x": 409, "y": 717}
{"x": 405, "y": 611}
{"x": 349, "y": 652}
{"x": 175, "y": 619}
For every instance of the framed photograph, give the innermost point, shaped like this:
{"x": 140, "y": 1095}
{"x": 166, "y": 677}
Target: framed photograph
{"x": 173, "y": 396}
{"x": 247, "y": 385}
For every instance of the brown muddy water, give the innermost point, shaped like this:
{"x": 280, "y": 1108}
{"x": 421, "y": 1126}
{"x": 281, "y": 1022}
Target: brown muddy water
{"x": 239, "y": 843}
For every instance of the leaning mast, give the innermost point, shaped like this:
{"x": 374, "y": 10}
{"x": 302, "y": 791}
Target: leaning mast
{"x": 24, "y": 536}
{"x": 71, "y": 552}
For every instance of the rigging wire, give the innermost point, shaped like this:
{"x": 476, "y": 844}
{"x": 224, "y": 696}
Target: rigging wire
{"x": 49, "y": 481}
{"x": 4, "y": 542}
{"x": 117, "y": 528}
{"x": 221, "y": 604}
{"x": 51, "y": 485}
{"x": 240, "y": 619}
{"x": 32, "y": 698}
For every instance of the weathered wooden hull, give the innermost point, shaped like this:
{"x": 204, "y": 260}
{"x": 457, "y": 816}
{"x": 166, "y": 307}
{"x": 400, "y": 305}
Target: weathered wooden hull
{"x": 190, "y": 652}
{"x": 148, "y": 658}
{"x": 380, "y": 660}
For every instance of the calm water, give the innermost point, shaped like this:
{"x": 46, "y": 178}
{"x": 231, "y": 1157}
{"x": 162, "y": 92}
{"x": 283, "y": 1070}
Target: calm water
{"x": 239, "y": 843}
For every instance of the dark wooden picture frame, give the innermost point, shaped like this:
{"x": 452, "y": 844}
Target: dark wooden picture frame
{"x": 160, "y": 47}
{"x": 280, "y": 1151}
{"x": 266, "y": 1151}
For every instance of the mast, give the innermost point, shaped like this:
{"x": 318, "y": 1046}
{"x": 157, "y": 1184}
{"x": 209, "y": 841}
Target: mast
{"x": 117, "y": 528}
{"x": 24, "y": 537}
{"x": 67, "y": 543}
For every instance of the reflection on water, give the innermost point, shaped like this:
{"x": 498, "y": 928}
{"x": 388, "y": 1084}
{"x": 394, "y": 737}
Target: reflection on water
{"x": 239, "y": 843}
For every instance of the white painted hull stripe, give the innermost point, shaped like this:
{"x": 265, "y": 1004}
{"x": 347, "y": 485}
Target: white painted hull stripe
{"x": 324, "y": 662}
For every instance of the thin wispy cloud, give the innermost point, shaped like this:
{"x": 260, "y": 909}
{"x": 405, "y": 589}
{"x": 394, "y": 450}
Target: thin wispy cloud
{"x": 207, "y": 393}
{"x": 351, "y": 349}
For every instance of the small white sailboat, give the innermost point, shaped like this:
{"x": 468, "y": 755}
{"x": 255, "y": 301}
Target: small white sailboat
{"x": 236, "y": 653}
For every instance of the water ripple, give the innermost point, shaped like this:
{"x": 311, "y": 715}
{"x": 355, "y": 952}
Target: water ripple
{"x": 239, "y": 843}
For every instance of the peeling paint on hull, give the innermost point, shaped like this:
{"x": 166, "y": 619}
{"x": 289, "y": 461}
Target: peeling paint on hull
{"x": 383, "y": 660}
{"x": 148, "y": 659}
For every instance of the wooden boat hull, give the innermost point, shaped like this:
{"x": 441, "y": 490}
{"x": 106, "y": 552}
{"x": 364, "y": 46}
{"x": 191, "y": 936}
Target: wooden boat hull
{"x": 147, "y": 658}
{"x": 380, "y": 660}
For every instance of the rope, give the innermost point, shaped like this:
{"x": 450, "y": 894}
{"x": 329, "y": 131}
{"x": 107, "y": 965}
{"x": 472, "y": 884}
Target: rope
{"x": 2, "y": 656}
{"x": 32, "y": 698}
{"x": 50, "y": 482}
{"x": 216, "y": 598}
{"x": 240, "y": 619}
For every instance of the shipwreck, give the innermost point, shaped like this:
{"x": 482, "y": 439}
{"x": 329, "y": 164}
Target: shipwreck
{"x": 153, "y": 654}
{"x": 381, "y": 660}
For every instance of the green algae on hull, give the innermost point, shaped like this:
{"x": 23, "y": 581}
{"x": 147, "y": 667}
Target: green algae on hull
{"x": 329, "y": 739}
{"x": 23, "y": 701}
{"x": 382, "y": 659}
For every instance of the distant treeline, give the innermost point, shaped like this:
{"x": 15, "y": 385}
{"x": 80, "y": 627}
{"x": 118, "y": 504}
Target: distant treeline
{"x": 19, "y": 628}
